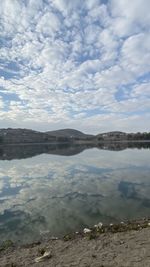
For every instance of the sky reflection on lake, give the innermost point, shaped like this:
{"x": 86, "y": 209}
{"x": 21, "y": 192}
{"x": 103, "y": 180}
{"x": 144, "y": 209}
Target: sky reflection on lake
{"x": 60, "y": 194}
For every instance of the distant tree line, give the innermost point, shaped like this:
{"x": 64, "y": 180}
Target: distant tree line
{"x": 131, "y": 136}
{"x": 139, "y": 136}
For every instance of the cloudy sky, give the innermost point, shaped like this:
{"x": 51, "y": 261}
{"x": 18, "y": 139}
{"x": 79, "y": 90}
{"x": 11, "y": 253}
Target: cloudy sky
{"x": 75, "y": 64}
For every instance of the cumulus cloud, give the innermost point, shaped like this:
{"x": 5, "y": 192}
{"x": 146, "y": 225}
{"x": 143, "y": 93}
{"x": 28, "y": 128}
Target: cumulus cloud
{"x": 74, "y": 61}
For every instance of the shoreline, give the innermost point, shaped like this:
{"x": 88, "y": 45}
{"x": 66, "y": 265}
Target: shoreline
{"x": 75, "y": 142}
{"x": 123, "y": 244}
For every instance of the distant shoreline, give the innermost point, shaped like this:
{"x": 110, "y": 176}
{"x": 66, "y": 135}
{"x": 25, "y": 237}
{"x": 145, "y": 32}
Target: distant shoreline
{"x": 26, "y": 136}
{"x": 75, "y": 142}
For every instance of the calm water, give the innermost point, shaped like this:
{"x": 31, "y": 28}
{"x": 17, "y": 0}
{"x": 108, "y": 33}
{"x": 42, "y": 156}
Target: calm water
{"x": 59, "y": 189}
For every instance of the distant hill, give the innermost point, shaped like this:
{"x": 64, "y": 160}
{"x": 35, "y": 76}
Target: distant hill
{"x": 71, "y": 133}
{"x": 16, "y": 136}
{"x": 11, "y": 136}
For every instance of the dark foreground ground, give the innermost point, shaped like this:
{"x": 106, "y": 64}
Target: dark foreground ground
{"x": 130, "y": 247}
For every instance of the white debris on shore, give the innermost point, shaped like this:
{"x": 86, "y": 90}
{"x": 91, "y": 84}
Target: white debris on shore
{"x": 99, "y": 225}
{"x": 45, "y": 256}
{"x": 86, "y": 230}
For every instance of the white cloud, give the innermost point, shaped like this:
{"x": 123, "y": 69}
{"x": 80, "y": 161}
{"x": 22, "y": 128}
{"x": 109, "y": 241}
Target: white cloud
{"x": 130, "y": 17}
{"x": 68, "y": 6}
{"x": 135, "y": 54}
{"x": 48, "y": 24}
{"x": 1, "y": 103}
{"x": 142, "y": 90}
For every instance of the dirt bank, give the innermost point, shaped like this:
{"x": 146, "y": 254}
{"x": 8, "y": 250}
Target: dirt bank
{"x": 127, "y": 247}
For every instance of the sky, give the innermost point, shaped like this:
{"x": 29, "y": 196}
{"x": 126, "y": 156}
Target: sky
{"x": 82, "y": 64}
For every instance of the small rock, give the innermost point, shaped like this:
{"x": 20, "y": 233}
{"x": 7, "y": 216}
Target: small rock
{"x": 148, "y": 224}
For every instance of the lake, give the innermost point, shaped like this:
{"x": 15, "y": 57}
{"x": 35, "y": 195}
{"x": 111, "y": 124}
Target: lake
{"x": 51, "y": 190}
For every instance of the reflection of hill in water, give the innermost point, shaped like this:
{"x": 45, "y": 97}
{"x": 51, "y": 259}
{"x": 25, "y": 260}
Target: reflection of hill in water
{"x": 118, "y": 146}
{"x": 9, "y": 152}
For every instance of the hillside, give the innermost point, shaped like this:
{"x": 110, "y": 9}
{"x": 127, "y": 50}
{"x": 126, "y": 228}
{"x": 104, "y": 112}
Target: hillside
{"x": 17, "y": 136}
{"x": 71, "y": 133}
{"x": 23, "y": 136}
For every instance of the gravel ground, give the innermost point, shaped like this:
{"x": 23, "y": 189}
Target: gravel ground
{"x": 130, "y": 248}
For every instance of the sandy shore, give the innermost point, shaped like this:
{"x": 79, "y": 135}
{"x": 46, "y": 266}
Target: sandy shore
{"x": 120, "y": 246}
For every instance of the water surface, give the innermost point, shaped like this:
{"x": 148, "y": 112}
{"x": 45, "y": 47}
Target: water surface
{"x": 46, "y": 189}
